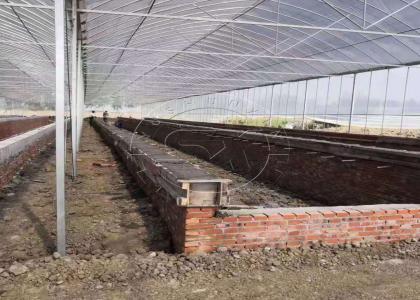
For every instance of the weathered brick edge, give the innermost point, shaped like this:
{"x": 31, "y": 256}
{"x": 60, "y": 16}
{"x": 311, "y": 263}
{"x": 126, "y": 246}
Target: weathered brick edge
{"x": 294, "y": 228}
{"x": 15, "y": 126}
{"x": 11, "y": 167}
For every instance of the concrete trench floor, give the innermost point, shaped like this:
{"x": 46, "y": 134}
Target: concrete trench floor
{"x": 109, "y": 216}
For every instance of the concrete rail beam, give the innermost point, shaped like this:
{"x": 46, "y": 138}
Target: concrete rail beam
{"x": 15, "y": 151}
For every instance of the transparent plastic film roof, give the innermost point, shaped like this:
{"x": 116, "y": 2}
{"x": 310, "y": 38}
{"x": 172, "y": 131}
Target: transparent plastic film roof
{"x": 27, "y": 55}
{"x": 174, "y": 49}
{"x": 155, "y": 50}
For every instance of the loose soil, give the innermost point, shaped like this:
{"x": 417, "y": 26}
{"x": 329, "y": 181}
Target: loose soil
{"x": 106, "y": 209}
{"x": 409, "y": 133}
{"x": 374, "y": 272}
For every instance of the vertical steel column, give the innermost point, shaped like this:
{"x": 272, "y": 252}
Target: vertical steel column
{"x": 253, "y": 105}
{"x": 339, "y": 97}
{"x": 271, "y": 106}
{"x": 280, "y": 99}
{"x": 287, "y": 100}
{"x": 74, "y": 72}
{"x": 326, "y": 104}
{"x": 385, "y": 101}
{"x": 405, "y": 96}
{"x": 296, "y": 100}
{"x": 316, "y": 99}
{"x": 80, "y": 93}
{"x": 352, "y": 102}
{"x": 368, "y": 101}
{"x": 177, "y": 109}
{"x": 304, "y": 104}
{"x": 211, "y": 109}
{"x": 246, "y": 107}
{"x": 59, "y": 125}
{"x": 205, "y": 108}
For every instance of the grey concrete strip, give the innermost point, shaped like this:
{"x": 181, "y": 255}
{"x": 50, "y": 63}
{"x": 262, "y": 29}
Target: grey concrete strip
{"x": 296, "y": 210}
{"x": 13, "y": 146}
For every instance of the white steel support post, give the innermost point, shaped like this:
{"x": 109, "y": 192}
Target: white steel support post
{"x": 287, "y": 101}
{"x": 404, "y": 99}
{"x": 271, "y": 106}
{"x": 74, "y": 110}
{"x": 304, "y": 104}
{"x": 80, "y": 94}
{"x": 385, "y": 102}
{"x": 315, "y": 114}
{"x": 339, "y": 98}
{"x": 59, "y": 125}
{"x": 368, "y": 101}
{"x": 352, "y": 102}
{"x": 326, "y": 104}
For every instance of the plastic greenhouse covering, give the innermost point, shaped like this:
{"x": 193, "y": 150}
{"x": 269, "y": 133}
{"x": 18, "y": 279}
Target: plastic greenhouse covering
{"x": 261, "y": 62}
{"x": 216, "y": 60}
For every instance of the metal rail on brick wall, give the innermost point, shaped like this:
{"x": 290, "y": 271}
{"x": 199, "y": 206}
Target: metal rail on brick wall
{"x": 184, "y": 183}
{"x": 204, "y": 192}
{"x": 342, "y": 149}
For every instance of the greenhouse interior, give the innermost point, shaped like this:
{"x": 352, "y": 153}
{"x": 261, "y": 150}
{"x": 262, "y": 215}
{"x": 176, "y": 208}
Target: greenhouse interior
{"x": 234, "y": 149}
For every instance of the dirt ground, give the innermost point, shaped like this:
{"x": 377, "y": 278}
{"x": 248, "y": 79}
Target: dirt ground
{"x": 409, "y": 133}
{"x": 374, "y": 272}
{"x": 119, "y": 249}
{"x": 106, "y": 209}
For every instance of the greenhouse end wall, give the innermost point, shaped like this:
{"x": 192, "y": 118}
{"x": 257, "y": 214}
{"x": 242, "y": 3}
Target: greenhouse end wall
{"x": 379, "y": 100}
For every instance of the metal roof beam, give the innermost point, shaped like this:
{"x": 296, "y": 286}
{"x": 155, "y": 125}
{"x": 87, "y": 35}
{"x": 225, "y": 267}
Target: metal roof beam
{"x": 211, "y": 69}
{"x": 227, "y": 54}
{"x": 243, "y": 22}
{"x": 390, "y": 15}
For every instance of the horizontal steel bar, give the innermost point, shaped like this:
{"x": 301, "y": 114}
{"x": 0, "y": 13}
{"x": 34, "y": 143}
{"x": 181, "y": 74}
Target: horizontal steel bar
{"x": 207, "y": 69}
{"x": 229, "y": 21}
{"x": 240, "y": 55}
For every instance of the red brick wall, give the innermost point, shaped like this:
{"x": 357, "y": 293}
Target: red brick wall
{"x": 205, "y": 229}
{"x": 325, "y": 178}
{"x": 206, "y": 232}
{"x": 21, "y": 125}
{"x": 174, "y": 217}
{"x": 8, "y": 170}
{"x": 353, "y": 138}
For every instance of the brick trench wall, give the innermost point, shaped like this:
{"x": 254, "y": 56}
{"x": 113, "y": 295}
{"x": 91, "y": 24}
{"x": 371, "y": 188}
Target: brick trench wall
{"x": 21, "y": 125}
{"x": 12, "y": 167}
{"x": 328, "y": 179}
{"x": 205, "y": 232}
{"x": 363, "y": 139}
{"x": 173, "y": 215}
{"x": 205, "y": 229}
